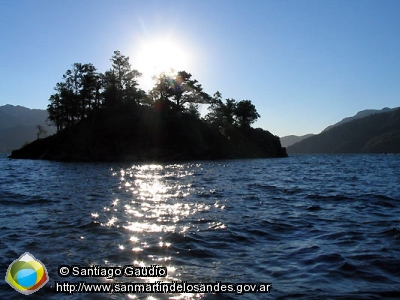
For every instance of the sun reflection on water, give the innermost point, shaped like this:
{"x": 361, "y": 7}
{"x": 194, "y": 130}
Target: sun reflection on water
{"x": 152, "y": 204}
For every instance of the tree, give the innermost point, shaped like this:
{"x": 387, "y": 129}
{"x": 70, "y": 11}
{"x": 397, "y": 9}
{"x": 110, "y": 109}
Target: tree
{"x": 193, "y": 109}
{"x": 41, "y": 131}
{"x": 56, "y": 115}
{"x": 89, "y": 89}
{"x": 98, "y": 95}
{"x": 221, "y": 113}
{"x": 229, "y": 111}
{"x": 245, "y": 113}
{"x": 120, "y": 82}
{"x": 84, "y": 90}
{"x": 184, "y": 89}
{"x": 65, "y": 106}
{"x": 215, "y": 108}
{"x": 161, "y": 90}
{"x": 179, "y": 89}
{"x": 75, "y": 97}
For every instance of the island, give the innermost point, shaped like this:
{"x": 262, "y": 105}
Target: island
{"x": 107, "y": 117}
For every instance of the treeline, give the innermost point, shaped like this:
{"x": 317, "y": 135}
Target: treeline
{"x": 84, "y": 91}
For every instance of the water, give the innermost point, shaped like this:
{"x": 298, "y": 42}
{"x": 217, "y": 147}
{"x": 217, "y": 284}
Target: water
{"x": 315, "y": 227}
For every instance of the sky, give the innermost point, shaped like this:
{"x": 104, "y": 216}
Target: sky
{"x": 304, "y": 64}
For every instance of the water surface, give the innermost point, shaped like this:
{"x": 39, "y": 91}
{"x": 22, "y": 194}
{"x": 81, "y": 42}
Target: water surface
{"x": 314, "y": 226}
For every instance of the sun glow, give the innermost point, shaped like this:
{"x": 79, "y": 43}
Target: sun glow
{"x": 158, "y": 56}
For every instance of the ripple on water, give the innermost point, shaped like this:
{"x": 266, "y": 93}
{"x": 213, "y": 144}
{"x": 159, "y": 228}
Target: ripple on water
{"x": 316, "y": 227}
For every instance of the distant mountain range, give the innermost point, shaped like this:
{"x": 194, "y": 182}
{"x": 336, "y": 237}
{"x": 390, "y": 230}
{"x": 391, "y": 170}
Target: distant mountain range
{"x": 289, "y": 140}
{"x": 359, "y": 115}
{"x": 18, "y": 125}
{"x": 369, "y": 131}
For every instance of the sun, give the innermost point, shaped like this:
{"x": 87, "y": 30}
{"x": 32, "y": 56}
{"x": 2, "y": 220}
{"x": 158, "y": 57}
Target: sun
{"x": 160, "y": 55}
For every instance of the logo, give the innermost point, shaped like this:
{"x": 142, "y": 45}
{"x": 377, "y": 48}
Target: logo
{"x": 27, "y": 274}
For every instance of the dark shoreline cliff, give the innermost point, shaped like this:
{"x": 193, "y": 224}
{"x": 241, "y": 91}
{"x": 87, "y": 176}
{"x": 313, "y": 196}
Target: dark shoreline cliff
{"x": 145, "y": 135}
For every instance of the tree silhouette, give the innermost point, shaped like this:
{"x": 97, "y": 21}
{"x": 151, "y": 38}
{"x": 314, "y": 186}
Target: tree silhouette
{"x": 184, "y": 89}
{"x": 75, "y": 97}
{"x": 107, "y": 116}
{"x": 179, "y": 89}
{"x": 120, "y": 83}
{"x": 245, "y": 113}
{"x": 83, "y": 91}
{"x": 41, "y": 131}
{"x": 222, "y": 114}
{"x": 54, "y": 109}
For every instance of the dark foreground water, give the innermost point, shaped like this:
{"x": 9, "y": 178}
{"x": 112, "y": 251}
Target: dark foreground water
{"x": 315, "y": 227}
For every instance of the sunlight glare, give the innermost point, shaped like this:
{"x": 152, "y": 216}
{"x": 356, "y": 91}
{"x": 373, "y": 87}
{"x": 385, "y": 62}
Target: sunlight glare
{"x": 160, "y": 55}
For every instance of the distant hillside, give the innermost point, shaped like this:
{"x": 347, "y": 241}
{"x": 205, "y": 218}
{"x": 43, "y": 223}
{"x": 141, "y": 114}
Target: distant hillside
{"x": 359, "y": 115}
{"x": 377, "y": 133}
{"x": 18, "y": 125}
{"x": 289, "y": 140}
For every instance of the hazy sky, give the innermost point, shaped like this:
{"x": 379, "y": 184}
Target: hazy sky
{"x": 304, "y": 64}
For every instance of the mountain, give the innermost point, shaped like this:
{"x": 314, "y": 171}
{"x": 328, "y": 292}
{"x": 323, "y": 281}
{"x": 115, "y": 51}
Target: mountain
{"x": 359, "y": 115}
{"x": 376, "y": 133}
{"x": 289, "y": 140}
{"x": 18, "y": 125}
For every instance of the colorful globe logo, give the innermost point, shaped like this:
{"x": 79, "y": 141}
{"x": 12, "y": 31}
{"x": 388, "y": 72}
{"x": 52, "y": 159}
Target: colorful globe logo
{"x": 27, "y": 274}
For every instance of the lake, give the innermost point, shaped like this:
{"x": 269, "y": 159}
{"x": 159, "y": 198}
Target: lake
{"x": 310, "y": 226}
